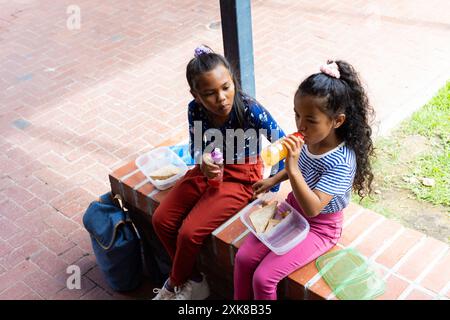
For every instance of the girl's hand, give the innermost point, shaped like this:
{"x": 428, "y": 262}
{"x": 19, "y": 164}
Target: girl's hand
{"x": 261, "y": 187}
{"x": 208, "y": 167}
{"x": 294, "y": 146}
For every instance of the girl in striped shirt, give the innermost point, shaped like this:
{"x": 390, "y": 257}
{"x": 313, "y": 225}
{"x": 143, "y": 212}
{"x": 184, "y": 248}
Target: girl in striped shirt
{"x": 332, "y": 112}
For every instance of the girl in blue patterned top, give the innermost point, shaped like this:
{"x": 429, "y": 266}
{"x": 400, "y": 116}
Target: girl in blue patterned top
{"x": 247, "y": 121}
{"x": 219, "y": 115}
{"x": 332, "y": 113}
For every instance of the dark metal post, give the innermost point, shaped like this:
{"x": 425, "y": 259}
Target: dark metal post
{"x": 238, "y": 41}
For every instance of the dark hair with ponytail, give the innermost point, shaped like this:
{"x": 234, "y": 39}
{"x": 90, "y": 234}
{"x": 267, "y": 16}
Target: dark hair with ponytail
{"x": 206, "y": 61}
{"x": 346, "y": 95}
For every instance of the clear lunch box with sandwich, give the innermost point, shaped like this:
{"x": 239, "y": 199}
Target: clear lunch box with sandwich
{"x": 162, "y": 167}
{"x": 285, "y": 235}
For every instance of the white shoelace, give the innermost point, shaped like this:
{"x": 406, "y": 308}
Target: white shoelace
{"x": 166, "y": 293}
{"x": 156, "y": 290}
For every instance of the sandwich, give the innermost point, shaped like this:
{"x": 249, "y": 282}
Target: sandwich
{"x": 272, "y": 223}
{"x": 165, "y": 172}
{"x": 260, "y": 218}
{"x": 284, "y": 214}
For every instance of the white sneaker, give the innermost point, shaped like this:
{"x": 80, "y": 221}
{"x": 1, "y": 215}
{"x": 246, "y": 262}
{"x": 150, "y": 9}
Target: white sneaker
{"x": 164, "y": 294}
{"x": 193, "y": 290}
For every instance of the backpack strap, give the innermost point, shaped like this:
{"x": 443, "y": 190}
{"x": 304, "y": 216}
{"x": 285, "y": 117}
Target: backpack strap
{"x": 112, "y": 238}
{"x": 119, "y": 199}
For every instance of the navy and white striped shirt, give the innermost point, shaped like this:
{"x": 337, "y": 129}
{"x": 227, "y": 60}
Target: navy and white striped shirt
{"x": 332, "y": 173}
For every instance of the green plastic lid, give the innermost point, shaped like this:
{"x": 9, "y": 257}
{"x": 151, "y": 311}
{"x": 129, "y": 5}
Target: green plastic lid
{"x": 349, "y": 275}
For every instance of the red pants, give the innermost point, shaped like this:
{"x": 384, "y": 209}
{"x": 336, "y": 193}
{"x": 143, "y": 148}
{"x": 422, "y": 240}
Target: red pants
{"x": 193, "y": 209}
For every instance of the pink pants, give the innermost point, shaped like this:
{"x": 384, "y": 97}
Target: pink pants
{"x": 257, "y": 270}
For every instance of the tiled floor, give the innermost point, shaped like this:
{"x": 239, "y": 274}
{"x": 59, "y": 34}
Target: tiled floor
{"x": 75, "y": 104}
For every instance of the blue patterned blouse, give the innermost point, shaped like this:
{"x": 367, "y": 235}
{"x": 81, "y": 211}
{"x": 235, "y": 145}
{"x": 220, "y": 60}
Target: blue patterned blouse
{"x": 257, "y": 121}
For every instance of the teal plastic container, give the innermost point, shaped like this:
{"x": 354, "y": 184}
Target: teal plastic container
{"x": 350, "y": 276}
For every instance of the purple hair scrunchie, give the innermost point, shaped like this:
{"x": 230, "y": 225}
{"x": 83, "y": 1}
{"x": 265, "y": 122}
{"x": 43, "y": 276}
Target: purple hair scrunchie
{"x": 202, "y": 50}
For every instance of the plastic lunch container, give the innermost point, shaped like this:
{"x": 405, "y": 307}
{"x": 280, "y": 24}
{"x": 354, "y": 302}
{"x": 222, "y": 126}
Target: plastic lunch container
{"x": 286, "y": 234}
{"x": 350, "y": 275}
{"x": 158, "y": 158}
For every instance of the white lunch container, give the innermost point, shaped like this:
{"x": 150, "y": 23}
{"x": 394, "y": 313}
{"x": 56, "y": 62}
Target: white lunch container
{"x": 286, "y": 234}
{"x": 158, "y": 158}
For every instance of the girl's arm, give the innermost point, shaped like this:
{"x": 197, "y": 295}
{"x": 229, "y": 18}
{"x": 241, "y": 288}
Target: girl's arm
{"x": 266, "y": 184}
{"x": 311, "y": 201}
{"x": 279, "y": 177}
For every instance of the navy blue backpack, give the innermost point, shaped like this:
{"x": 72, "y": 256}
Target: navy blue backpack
{"x": 115, "y": 242}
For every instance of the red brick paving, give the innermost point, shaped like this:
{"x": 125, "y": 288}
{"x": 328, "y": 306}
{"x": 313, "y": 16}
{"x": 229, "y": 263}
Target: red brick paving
{"x": 405, "y": 242}
{"x": 433, "y": 280}
{"x": 394, "y": 287}
{"x": 97, "y": 97}
{"x": 418, "y": 295}
{"x": 415, "y": 265}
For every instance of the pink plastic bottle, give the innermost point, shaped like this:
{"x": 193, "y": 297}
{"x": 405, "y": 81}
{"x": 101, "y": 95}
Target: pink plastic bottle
{"x": 217, "y": 157}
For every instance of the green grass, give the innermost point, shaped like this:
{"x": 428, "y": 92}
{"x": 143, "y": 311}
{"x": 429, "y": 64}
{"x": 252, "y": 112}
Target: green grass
{"x": 433, "y": 122}
{"x": 433, "y": 119}
{"x": 437, "y": 167}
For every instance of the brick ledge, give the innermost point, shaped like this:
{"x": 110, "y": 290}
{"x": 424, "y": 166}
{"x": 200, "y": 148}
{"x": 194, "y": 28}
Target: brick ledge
{"x": 414, "y": 266}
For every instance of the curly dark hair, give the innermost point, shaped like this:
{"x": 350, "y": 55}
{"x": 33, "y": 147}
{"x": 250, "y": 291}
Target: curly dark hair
{"x": 346, "y": 95}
